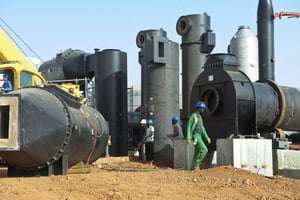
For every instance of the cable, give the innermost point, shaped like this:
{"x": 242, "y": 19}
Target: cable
{"x": 21, "y": 41}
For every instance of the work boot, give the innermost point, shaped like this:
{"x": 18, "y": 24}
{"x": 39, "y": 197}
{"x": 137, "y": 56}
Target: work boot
{"x": 196, "y": 169}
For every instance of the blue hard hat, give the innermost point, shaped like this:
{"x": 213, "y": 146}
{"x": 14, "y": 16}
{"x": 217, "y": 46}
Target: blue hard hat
{"x": 150, "y": 121}
{"x": 175, "y": 119}
{"x": 201, "y": 104}
{"x": 5, "y": 76}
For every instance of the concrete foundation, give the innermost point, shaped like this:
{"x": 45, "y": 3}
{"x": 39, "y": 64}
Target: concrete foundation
{"x": 254, "y": 155}
{"x": 210, "y": 160}
{"x": 286, "y": 163}
{"x": 183, "y": 154}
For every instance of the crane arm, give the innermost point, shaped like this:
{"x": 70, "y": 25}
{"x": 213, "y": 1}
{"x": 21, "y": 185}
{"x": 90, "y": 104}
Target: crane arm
{"x": 10, "y": 52}
{"x": 288, "y": 14}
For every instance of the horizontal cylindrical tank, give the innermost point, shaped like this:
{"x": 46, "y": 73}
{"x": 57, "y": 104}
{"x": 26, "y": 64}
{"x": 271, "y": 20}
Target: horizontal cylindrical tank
{"x": 70, "y": 64}
{"x": 244, "y": 46}
{"x": 42, "y": 124}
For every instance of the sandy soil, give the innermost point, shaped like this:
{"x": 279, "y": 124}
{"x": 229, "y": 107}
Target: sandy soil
{"x": 133, "y": 179}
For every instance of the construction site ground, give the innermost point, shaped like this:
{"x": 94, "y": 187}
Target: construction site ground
{"x": 129, "y": 178}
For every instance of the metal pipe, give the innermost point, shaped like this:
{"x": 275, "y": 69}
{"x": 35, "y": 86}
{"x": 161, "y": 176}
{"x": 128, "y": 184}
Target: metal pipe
{"x": 265, "y": 34}
{"x": 197, "y": 41}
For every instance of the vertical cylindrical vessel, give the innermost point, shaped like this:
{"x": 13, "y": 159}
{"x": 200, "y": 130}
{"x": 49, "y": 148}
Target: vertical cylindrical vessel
{"x": 244, "y": 46}
{"x": 197, "y": 42}
{"x": 159, "y": 58}
{"x": 144, "y": 39}
{"x": 111, "y": 97}
{"x": 265, "y": 34}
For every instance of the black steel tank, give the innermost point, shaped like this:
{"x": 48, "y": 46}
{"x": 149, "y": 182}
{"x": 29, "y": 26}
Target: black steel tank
{"x": 111, "y": 96}
{"x": 134, "y": 134}
{"x": 159, "y": 59}
{"x": 69, "y": 64}
{"x": 44, "y": 126}
{"x": 237, "y": 106}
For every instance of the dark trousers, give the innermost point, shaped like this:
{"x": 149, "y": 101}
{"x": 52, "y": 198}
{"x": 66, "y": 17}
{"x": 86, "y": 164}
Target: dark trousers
{"x": 149, "y": 150}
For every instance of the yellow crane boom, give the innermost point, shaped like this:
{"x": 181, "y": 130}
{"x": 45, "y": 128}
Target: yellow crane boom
{"x": 14, "y": 63}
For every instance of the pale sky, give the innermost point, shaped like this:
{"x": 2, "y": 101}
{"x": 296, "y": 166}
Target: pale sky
{"x": 50, "y": 27}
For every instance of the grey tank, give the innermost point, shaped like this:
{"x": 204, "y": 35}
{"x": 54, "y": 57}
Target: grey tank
{"x": 159, "y": 59}
{"x": 244, "y": 45}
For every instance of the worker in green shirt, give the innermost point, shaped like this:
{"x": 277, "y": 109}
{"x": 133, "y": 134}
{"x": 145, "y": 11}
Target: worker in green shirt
{"x": 196, "y": 132}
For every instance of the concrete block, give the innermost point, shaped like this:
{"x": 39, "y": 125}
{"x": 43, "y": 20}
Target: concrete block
{"x": 287, "y": 163}
{"x": 183, "y": 154}
{"x": 254, "y": 155}
{"x": 210, "y": 160}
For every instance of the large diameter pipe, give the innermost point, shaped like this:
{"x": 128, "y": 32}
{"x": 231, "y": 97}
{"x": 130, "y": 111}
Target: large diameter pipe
{"x": 69, "y": 64}
{"x": 41, "y": 125}
{"x": 265, "y": 34}
{"x": 277, "y": 107}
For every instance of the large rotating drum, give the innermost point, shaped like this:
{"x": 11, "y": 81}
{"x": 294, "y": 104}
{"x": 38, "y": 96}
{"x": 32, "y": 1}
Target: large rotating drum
{"x": 41, "y": 127}
{"x": 237, "y": 106}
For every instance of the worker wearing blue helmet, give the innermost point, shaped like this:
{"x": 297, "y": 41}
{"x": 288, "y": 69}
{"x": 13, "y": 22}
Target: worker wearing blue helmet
{"x": 196, "y": 132}
{"x": 149, "y": 140}
{"x": 7, "y": 86}
{"x": 177, "y": 130}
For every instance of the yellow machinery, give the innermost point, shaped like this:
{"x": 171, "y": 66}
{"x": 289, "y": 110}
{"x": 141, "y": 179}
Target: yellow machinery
{"x": 14, "y": 63}
{"x": 21, "y": 71}
{"x": 44, "y": 130}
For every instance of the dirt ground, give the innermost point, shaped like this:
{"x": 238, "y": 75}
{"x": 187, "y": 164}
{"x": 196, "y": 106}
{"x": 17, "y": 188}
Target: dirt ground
{"x": 133, "y": 179}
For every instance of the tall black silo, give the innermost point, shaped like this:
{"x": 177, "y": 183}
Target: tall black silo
{"x": 159, "y": 58}
{"x": 111, "y": 97}
{"x": 265, "y": 34}
{"x": 197, "y": 41}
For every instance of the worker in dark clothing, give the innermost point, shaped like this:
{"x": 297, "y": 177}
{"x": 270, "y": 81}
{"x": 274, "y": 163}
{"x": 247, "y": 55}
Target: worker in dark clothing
{"x": 177, "y": 130}
{"x": 141, "y": 145}
{"x": 197, "y": 132}
{"x": 7, "y": 86}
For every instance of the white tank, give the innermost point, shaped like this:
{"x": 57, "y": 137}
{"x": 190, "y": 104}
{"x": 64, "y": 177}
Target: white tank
{"x": 244, "y": 45}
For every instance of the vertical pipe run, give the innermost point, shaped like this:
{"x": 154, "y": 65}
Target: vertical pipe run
{"x": 265, "y": 32}
{"x": 196, "y": 43}
{"x": 111, "y": 97}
